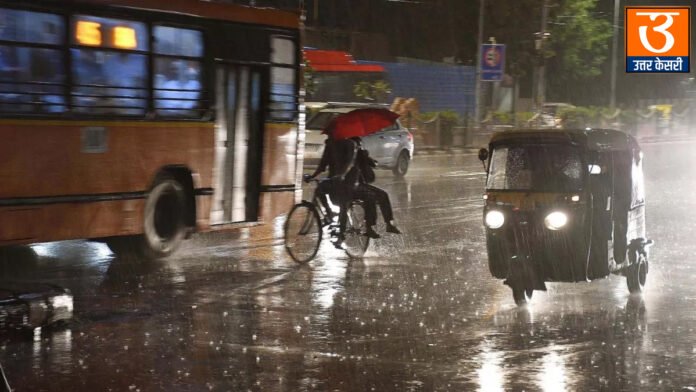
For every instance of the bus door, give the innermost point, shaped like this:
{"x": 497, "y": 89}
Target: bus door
{"x": 238, "y": 134}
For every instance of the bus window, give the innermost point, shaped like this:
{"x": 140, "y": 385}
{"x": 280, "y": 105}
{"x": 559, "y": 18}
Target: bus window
{"x": 31, "y": 77}
{"x": 283, "y": 102}
{"x": 109, "y": 69}
{"x": 178, "y": 42}
{"x": 282, "y": 51}
{"x": 178, "y": 71}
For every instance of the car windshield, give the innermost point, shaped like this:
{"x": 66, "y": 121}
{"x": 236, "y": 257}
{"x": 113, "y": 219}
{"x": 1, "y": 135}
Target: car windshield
{"x": 535, "y": 167}
{"x": 321, "y": 120}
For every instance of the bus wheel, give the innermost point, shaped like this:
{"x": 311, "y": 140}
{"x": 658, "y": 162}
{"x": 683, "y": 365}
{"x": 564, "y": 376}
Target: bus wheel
{"x": 164, "y": 223}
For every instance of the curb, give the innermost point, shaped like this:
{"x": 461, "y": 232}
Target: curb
{"x": 473, "y": 150}
{"x": 666, "y": 138}
{"x": 451, "y": 151}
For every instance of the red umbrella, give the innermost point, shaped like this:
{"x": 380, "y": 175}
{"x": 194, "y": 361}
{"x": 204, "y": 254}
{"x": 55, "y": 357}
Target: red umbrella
{"x": 360, "y": 122}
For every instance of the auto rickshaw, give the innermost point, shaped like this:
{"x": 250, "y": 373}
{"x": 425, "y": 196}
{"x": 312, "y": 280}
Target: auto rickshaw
{"x": 564, "y": 206}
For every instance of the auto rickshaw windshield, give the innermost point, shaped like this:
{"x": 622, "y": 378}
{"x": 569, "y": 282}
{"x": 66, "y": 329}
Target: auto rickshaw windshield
{"x": 536, "y": 167}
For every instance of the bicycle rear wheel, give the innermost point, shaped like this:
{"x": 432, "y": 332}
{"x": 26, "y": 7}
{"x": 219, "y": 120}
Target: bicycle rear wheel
{"x": 356, "y": 242}
{"x": 303, "y": 232}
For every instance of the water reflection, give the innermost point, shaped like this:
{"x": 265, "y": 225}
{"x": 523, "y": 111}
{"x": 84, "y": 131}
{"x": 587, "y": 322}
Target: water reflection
{"x": 399, "y": 191}
{"x": 562, "y": 346}
{"x": 552, "y": 377}
{"x": 490, "y": 375}
{"x": 327, "y": 282}
{"x": 52, "y": 351}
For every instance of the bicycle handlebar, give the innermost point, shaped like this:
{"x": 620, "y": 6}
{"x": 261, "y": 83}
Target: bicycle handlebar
{"x": 309, "y": 179}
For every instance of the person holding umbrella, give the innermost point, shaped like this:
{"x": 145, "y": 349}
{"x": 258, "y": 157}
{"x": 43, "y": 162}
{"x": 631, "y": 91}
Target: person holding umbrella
{"x": 348, "y": 178}
{"x": 339, "y": 158}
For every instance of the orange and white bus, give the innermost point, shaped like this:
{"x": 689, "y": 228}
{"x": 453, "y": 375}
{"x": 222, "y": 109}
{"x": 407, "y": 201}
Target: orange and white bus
{"x": 137, "y": 122}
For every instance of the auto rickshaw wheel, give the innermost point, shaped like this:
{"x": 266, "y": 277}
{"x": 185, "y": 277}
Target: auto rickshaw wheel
{"x": 637, "y": 273}
{"x": 522, "y": 296}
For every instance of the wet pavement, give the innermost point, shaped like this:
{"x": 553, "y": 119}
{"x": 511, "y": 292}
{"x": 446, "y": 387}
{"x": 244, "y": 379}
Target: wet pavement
{"x": 231, "y": 312}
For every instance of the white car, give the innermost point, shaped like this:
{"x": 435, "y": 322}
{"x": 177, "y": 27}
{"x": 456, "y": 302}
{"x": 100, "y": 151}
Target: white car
{"x": 550, "y": 113}
{"x": 391, "y": 147}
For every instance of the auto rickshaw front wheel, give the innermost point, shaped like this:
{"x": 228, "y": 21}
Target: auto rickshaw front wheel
{"x": 637, "y": 273}
{"x": 521, "y": 295}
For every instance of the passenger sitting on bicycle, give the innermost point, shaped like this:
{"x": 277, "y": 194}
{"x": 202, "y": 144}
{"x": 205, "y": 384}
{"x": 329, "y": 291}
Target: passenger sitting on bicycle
{"x": 371, "y": 194}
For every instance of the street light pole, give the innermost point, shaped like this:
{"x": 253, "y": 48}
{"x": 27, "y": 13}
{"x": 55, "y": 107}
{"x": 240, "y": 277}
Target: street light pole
{"x": 477, "y": 105}
{"x": 541, "y": 81}
{"x": 614, "y": 50}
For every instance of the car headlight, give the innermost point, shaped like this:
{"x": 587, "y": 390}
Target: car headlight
{"x": 494, "y": 219}
{"x": 556, "y": 220}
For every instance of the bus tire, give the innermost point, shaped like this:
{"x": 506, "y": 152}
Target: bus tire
{"x": 164, "y": 223}
{"x": 164, "y": 220}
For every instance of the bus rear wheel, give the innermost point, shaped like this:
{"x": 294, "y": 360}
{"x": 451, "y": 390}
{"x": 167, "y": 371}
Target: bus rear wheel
{"x": 164, "y": 223}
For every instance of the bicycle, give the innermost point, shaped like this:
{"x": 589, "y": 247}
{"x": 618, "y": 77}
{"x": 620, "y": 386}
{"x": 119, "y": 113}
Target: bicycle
{"x": 307, "y": 221}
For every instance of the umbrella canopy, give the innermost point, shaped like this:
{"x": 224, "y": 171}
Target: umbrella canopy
{"x": 361, "y": 122}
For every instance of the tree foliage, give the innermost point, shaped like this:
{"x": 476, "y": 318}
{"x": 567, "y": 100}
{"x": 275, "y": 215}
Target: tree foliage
{"x": 580, "y": 41}
{"x": 577, "y": 48}
{"x": 376, "y": 91}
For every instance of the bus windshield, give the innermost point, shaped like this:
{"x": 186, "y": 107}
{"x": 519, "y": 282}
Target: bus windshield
{"x": 535, "y": 167}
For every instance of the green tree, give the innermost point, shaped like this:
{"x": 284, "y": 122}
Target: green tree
{"x": 377, "y": 91}
{"x": 579, "y": 46}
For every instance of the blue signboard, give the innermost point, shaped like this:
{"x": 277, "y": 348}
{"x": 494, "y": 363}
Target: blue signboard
{"x": 492, "y": 62}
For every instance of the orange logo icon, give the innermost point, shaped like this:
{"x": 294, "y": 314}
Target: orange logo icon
{"x": 657, "y": 39}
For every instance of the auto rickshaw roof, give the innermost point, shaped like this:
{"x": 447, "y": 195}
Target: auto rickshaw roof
{"x": 594, "y": 139}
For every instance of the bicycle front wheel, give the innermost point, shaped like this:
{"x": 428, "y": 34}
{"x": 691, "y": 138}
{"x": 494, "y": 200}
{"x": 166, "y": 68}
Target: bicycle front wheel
{"x": 356, "y": 242}
{"x": 303, "y": 232}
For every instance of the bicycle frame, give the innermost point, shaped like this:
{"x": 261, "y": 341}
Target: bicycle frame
{"x": 321, "y": 210}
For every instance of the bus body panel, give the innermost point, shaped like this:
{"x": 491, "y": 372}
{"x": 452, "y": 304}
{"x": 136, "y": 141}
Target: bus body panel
{"x": 73, "y": 175}
{"x": 210, "y": 10}
{"x": 54, "y": 157}
{"x": 54, "y": 222}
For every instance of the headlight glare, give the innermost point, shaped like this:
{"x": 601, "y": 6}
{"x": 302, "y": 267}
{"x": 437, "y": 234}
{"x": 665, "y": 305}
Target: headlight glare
{"x": 495, "y": 219}
{"x": 556, "y": 220}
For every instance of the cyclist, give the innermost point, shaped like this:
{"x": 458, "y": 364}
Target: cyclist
{"x": 339, "y": 159}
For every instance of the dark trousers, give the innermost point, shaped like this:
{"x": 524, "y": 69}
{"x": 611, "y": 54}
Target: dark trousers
{"x": 368, "y": 204}
{"x": 372, "y": 195}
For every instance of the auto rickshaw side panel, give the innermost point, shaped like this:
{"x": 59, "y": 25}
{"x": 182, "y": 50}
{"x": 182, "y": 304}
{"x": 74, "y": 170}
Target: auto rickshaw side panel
{"x": 618, "y": 210}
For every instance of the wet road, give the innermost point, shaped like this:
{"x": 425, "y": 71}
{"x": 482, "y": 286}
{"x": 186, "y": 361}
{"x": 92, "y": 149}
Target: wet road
{"x": 420, "y": 313}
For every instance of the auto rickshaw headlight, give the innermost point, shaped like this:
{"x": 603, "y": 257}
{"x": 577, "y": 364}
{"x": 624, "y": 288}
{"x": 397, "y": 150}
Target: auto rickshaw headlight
{"x": 495, "y": 219}
{"x": 556, "y": 220}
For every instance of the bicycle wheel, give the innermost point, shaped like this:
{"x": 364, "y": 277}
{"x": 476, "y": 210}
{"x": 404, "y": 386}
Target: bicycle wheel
{"x": 303, "y": 232}
{"x": 356, "y": 242}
